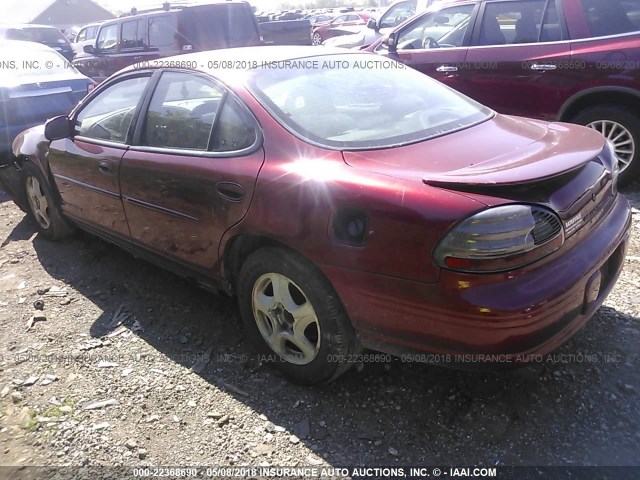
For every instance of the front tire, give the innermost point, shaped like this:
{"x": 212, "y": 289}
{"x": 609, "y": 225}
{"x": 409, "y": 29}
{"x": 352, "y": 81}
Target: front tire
{"x": 292, "y": 314}
{"x": 622, "y": 128}
{"x": 43, "y": 206}
{"x": 317, "y": 39}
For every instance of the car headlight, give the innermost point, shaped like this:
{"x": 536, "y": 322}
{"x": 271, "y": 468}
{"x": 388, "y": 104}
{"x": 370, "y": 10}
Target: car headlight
{"x": 500, "y": 238}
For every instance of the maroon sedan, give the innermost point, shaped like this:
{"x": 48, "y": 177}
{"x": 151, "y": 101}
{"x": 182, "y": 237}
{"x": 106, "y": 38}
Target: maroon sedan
{"x": 346, "y": 201}
{"x": 340, "y": 25}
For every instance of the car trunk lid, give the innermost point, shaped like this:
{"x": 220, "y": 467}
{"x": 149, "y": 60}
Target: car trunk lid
{"x": 509, "y": 159}
{"x": 502, "y": 151}
{"x": 36, "y": 99}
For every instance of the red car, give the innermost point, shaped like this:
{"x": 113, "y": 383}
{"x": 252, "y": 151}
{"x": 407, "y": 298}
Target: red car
{"x": 570, "y": 60}
{"x": 340, "y": 25}
{"x": 346, "y": 201}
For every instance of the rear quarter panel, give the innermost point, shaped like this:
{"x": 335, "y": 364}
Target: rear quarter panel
{"x": 301, "y": 186}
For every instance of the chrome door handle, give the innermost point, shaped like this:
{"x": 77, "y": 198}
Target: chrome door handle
{"x": 541, "y": 67}
{"x": 447, "y": 69}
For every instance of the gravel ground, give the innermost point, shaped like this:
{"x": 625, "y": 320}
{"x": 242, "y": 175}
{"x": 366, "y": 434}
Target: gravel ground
{"x": 114, "y": 371}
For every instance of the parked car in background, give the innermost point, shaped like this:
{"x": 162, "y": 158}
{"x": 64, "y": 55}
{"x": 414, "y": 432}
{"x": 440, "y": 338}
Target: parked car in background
{"x": 340, "y": 25}
{"x": 86, "y": 35}
{"x": 319, "y": 18}
{"x": 397, "y": 13}
{"x": 44, "y": 34}
{"x": 146, "y": 36}
{"x": 365, "y": 205}
{"x": 37, "y": 83}
{"x": 571, "y": 60}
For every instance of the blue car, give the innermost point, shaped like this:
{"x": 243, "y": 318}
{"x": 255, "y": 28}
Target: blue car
{"x": 36, "y": 83}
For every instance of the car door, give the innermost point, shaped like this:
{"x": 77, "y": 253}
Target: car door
{"x": 435, "y": 42}
{"x": 193, "y": 169}
{"x": 519, "y": 61}
{"x": 86, "y": 167}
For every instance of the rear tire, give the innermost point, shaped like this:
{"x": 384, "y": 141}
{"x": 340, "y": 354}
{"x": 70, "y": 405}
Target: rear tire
{"x": 292, "y": 314}
{"x": 622, "y": 127}
{"x": 43, "y": 206}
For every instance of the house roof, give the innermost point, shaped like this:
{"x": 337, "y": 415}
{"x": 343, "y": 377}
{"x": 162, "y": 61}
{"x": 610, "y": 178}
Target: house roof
{"x": 21, "y": 11}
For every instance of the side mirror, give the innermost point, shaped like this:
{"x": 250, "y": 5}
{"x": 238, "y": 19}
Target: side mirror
{"x": 89, "y": 49}
{"x": 372, "y": 24}
{"x": 391, "y": 42}
{"x": 58, "y": 128}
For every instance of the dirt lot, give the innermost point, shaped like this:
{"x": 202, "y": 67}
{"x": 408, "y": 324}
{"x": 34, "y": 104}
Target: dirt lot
{"x": 164, "y": 404}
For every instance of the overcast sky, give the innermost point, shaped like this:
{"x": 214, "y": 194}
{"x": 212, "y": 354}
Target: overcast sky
{"x": 125, "y": 5}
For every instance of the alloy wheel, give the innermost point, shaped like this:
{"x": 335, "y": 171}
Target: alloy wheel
{"x": 620, "y": 138}
{"x": 38, "y": 202}
{"x": 286, "y": 319}
{"x": 317, "y": 39}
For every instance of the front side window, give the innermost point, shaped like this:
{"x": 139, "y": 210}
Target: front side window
{"x": 612, "y": 17}
{"x": 182, "y": 111}
{"x": 509, "y": 23}
{"x": 398, "y": 14}
{"x": 445, "y": 28}
{"x": 108, "y": 38}
{"x": 366, "y": 103}
{"x": 108, "y": 116}
{"x": 82, "y": 36}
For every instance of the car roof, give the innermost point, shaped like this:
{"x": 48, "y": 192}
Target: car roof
{"x": 25, "y": 25}
{"x": 231, "y": 61}
{"x": 22, "y": 46}
{"x": 172, "y": 9}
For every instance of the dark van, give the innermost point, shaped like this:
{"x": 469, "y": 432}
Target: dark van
{"x": 145, "y": 36}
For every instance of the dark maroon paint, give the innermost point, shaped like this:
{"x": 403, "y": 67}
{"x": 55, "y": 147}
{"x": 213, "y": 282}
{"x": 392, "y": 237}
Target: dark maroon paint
{"x": 397, "y": 298}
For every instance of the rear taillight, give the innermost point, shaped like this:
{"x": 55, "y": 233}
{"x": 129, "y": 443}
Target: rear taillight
{"x": 500, "y": 238}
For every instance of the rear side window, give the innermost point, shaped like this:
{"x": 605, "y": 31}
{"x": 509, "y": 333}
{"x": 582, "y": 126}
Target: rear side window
{"x": 531, "y": 21}
{"x": 163, "y": 31}
{"x": 108, "y": 116}
{"x": 234, "y": 129}
{"x": 612, "y": 17}
{"x": 219, "y": 26}
{"x": 182, "y": 111}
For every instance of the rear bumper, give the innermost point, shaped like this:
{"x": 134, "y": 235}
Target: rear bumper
{"x": 505, "y": 318}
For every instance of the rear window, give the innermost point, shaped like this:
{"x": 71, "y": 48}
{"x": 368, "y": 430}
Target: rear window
{"x": 612, "y": 17}
{"x": 36, "y": 34}
{"x": 361, "y": 101}
{"x": 219, "y": 26}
